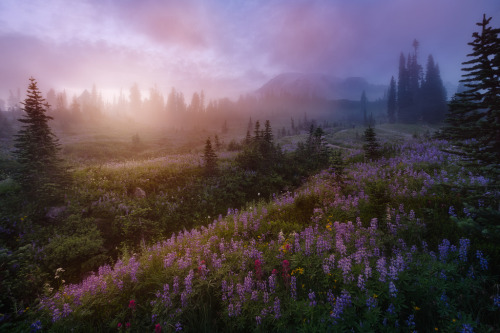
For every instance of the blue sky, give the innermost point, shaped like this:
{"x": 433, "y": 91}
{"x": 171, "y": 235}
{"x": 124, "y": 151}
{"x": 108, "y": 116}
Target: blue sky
{"x": 225, "y": 47}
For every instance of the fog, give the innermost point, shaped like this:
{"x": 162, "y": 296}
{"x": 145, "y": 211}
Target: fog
{"x": 225, "y": 48}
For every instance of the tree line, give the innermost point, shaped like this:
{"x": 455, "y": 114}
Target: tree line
{"x": 415, "y": 96}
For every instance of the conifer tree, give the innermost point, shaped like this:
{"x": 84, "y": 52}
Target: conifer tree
{"x": 41, "y": 175}
{"x": 363, "y": 102}
{"x": 209, "y": 158}
{"x": 473, "y": 122}
{"x": 433, "y": 94}
{"x": 371, "y": 146}
{"x": 391, "y": 101}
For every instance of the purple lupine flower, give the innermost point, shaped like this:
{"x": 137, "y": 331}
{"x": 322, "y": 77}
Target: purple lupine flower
{"x": 496, "y": 301}
{"x": 184, "y": 297}
{"x": 466, "y": 328}
{"x": 308, "y": 236}
{"x": 265, "y": 297}
{"x": 312, "y": 298}
{"x": 255, "y": 295}
{"x": 272, "y": 282}
{"x": 175, "y": 285}
{"x": 276, "y": 308}
{"x": 470, "y": 273}
{"x": 371, "y": 302}
{"x": 258, "y": 320}
{"x": 444, "y": 249}
{"x": 240, "y": 289}
{"x": 393, "y": 291}
{"x": 368, "y": 270}
{"x": 361, "y": 282}
{"x": 451, "y": 211}
{"x": 345, "y": 265}
{"x": 178, "y": 327}
{"x": 411, "y": 321}
{"x": 483, "y": 262}
{"x": 330, "y": 297}
{"x": 382, "y": 269}
{"x": 293, "y": 287}
{"x": 188, "y": 282}
{"x": 296, "y": 245}
{"x": 391, "y": 309}
{"x": 343, "y": 301}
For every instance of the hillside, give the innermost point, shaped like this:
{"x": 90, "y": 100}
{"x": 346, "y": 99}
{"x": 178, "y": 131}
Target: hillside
{"x": 322, "y": 86}
{"x": 369, "y": 247}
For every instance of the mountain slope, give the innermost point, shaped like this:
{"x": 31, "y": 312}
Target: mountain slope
{"x": 321, "y": 85}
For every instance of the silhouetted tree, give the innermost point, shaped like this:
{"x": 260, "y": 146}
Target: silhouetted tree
{"x": 473, "y": 122}
{"x": 225, "y": 129}
{"x": 410, "y": 77}
{"x": 391, "y": 101}
{"x": 363, "y": 102}
{"x": 135, "y": 99}
{"x": 433, "y": 94}
{"x": 371, "y": 146}
{"x": 41, "y": 174}
{"x": 209, "y": 158}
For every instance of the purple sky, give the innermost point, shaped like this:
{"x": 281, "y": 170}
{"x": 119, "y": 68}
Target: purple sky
{"x": 225, "y": 47}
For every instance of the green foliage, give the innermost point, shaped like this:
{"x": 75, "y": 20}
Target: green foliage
{"x": 473, "y": 122}
{"x": 21, "y": 279}
{"x": 77, "y": 247}
{"x": 41, "y": 173}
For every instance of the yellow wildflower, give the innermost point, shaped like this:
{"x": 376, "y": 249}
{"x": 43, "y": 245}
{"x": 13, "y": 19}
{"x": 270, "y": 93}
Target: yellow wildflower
{"x": 416, "y": 308}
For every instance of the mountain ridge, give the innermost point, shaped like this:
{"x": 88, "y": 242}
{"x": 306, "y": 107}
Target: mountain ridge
{"x": 321, "y": 86}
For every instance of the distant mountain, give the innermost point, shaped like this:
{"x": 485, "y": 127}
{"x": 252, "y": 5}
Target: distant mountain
{"x": 321, "y": 85}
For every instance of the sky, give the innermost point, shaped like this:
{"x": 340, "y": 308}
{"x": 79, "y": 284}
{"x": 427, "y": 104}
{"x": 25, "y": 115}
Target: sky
{"x": 225, "y": 47}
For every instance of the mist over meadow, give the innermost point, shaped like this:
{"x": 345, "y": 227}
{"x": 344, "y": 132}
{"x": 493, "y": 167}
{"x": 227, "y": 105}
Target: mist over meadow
{"x": 249, "y": 166}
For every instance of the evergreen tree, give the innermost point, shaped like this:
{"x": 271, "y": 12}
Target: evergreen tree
{"x": 433, "y": 94}
{"x": 391, "y": 101}
{"x": 225, "y": 129}
{"x": 363, "y": 102}
{"x": 41, "y": 174}
{"x": 257, "y": 132}
{"x": 410, "y": 77}
{"x": 268, "y": 133}
{"x": 135, "y": 99}
{"x": 403, "y": 87}
{"x": 5, "y": 128}
{"x": 209, "y": 158}
{"x": 218, "y": 144}
{"x": 473, "y": 122}
{"x": 371, "y": 146}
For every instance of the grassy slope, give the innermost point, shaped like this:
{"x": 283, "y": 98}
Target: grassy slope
{"x": 217, "y": 275}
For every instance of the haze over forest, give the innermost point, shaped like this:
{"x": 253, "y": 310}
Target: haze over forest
{"x": 225, "y": 48}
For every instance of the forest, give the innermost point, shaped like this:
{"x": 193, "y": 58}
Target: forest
{"x": 276, "y": 212}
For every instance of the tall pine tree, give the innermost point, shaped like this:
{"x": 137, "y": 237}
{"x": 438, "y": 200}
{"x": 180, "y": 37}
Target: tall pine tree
{"x": 210, "y": 158}
{"x": 433, "y": 94}
{"x": 473, "y": 122}
{"x": 391, "y": 101}
{"x": 41, "y": 175}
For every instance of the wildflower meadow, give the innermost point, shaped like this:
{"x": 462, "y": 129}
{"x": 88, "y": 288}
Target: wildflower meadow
{"x": 375, "y": 248}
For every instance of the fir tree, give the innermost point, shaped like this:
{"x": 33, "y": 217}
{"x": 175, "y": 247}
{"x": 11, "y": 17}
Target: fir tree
{"x": 209, "y": 158}
{"x": 391, "y": 101}
{"x": 363, "y": 102}
{"x": 371, "y": 146}
{"x": 473, "y": 122}
{"x": 41, "y": 175}
{"x": 433, "y": 94}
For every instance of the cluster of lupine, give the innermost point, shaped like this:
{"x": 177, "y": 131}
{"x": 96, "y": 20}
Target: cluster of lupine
{"x": 334, "y": 269}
